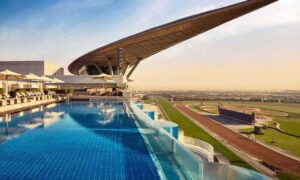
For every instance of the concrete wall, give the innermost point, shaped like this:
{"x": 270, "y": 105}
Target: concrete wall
{"x": 24, "y": 67}
{"x": 39, "y": 68}
{"x": 52, "y": 69}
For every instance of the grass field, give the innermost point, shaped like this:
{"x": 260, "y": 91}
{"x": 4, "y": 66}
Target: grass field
{"x": 276, "y": 138}
{"x": 284, "y": 107}
{"x": 193, "y": 130}
{"x": 289, "y": 123}
{"x": 287, "y": 115}
{"x": 286, "y": 176}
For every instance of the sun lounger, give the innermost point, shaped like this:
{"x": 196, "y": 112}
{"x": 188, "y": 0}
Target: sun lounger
{"x": 23, "y": 94}
{"x": 41, "y": 95}
{"x": 23, "y": 98}
{"x": 38, "y": 94}
{"x": 50, "y": 96}
{"x": 16, "y": 99}
{"x": 8, "y": 99}
{"x": 3, "y": 102}
{"x": 30, "y": 95}
{"x": 45, "y": 95}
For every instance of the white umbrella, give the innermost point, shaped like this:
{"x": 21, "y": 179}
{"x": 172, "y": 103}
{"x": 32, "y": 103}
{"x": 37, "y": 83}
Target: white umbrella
{"x": 104, "y": 77}
{"x": 9, "y": 75}
{"x": 55, "y": 80}
{"x": 32, "y": 77}
{"x": 46, "y": 79}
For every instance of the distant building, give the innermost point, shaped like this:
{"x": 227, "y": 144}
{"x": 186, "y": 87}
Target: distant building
{"x": 39, "y": 68}
{"x": 43, "y": 68}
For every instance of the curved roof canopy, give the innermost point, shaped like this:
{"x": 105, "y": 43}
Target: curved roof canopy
{"x": 130, "y": 50}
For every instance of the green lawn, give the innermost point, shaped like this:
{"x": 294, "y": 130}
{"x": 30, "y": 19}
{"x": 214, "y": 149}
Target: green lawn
{"x": 290, "y": 124}
{"x": 286, "y": 176}
{"x": 283, "y": 107}
{"x": 193, "y": 130}
{"x": 276, "y": 138}
{"x": 212, "y": 109}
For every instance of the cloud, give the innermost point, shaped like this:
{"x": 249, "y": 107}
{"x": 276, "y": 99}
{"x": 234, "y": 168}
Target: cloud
{"x": 74, "y": 5}
{"x": 280, "y": 13}
{"x": 55, "y": 33}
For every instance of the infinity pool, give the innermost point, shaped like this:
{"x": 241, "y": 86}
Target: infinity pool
{"x": 76, "y": 140}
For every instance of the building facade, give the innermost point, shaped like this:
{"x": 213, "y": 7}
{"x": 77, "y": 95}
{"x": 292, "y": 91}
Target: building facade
{"x": 39, "y": 68}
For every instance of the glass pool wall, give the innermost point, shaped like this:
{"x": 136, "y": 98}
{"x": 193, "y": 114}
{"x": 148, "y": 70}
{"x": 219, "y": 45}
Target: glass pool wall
{"x": 176, "y": 161}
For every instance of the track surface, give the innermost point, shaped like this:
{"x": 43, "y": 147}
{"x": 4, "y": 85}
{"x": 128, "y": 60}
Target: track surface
{"x": 235, "y": 139}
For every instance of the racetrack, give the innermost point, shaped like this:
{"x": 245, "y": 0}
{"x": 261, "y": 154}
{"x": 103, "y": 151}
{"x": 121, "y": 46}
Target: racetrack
{"x": 237, "y": 140}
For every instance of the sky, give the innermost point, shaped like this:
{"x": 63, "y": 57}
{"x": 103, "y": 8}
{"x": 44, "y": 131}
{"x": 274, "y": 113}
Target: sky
{"x": 259, "y": 51}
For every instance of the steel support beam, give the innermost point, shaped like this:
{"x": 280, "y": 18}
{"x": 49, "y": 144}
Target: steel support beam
{"x": 133, "y": 68}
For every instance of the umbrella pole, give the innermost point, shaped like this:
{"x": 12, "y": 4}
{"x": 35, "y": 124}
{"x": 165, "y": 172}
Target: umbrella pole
{"x": 6, "y": 87}
{"x": 103, "y": 87}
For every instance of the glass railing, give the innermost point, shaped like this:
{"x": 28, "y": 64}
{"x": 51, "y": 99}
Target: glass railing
{"x": 175, "y": 161}
{"x": 206, "y": 148}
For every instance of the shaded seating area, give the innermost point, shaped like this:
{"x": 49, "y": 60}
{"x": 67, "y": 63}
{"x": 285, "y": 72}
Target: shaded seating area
{"x": 23, "y": 96}
{"x": 17, "y": 90}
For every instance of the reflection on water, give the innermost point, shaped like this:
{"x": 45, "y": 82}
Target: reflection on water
{"x": 99, "y": 114}
{"x": 106, "y": 114}
{"x": 49, "y": 118}
{"x": 13, "y": 125}
{"x": 86, "y": 139}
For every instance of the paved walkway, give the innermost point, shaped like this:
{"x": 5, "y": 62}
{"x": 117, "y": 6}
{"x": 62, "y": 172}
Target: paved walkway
{"x": 255, "y": 149}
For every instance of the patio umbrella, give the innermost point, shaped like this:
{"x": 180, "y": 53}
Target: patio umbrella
{"x": 55, "y": 80}
{"x": 104, "y": 77}
{"x": 32, "y": 78}
{"x": 46, "y": 79}
{"x": 9, "y": 75}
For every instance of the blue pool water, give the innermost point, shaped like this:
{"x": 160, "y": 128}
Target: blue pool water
{"x": 76, "y": 140}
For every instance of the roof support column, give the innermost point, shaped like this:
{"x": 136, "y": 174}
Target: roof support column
{"x": 119, "y": 59}
{"x": 124, "y": 68}
{"x": 110, "y": 66}
{"x": 99, "y": 69}
{"x": 133, "y": 68}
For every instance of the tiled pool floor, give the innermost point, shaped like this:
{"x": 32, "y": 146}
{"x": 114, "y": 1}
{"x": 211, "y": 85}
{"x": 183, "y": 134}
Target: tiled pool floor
{"x": 86, "y": 141}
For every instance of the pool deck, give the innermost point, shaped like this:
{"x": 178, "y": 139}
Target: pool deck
{"x": 33, "y": 104}
{"x": 257, "y": 150}
{"x": 88, "y": 97}
{"x": 28, "y": 105}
